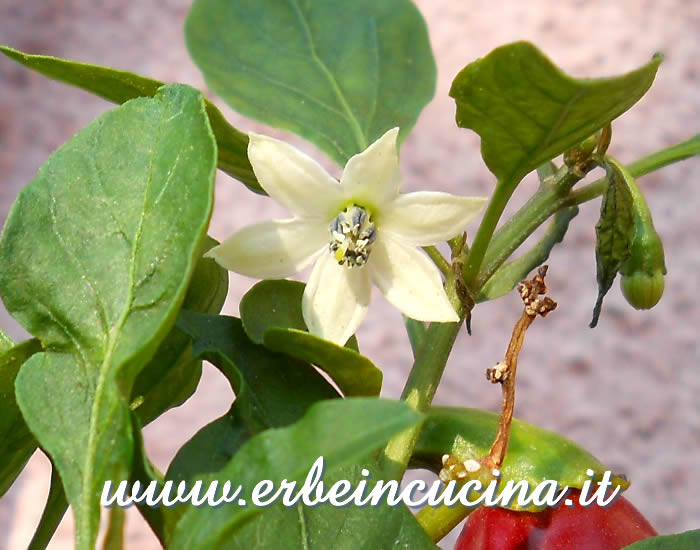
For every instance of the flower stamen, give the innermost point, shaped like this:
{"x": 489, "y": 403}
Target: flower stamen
{"x": 352, "y": 235}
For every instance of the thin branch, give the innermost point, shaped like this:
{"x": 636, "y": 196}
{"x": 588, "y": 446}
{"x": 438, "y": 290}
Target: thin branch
{"x": 438, "y": 259}
{"x": 504, "y": 373}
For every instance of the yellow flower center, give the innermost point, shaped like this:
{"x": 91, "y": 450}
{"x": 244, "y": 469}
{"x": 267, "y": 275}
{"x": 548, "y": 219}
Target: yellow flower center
{"x": 352, "y": 235}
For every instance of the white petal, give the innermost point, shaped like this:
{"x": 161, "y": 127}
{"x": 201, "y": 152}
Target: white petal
{"x": 410, "y": 281}
{"x": 293, "y": 179}
{"x": 271, "y": 250}
{"x": 372, "y": 178}
{"x": 427, "y": 217}
{"x": 335, "y": 299}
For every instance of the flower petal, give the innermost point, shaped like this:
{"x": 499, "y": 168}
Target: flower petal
{"x": 410, "y": 281}
{"x": 293, "y": 179}
{"x": 428, "y": 217}
{"x": 335, "y": 299}
{"x": 271, "y": 250}
{"x": 372, "y": 178}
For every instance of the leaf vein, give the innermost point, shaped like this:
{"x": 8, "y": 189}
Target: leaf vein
{"x": 102, "y": 311}
{"x": 355, "y": 126}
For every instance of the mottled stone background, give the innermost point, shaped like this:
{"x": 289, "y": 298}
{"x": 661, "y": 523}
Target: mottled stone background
{"x": 628, "y": 391}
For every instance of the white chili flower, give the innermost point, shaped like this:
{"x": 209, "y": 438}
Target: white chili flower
{"x": 359, "y": 231}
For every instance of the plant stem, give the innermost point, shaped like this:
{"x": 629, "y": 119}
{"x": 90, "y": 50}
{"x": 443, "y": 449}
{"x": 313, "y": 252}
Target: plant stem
{"x": 548, "y": 200}
{"x": 419, "y": 391}
{"x": 681, "y": 151}
{"x": 486, "y": 230}
{"x": 439, "y": 260}
{"x": 56, "y": 506}
{"x": 416, "y": 331}
{"x": 438, "y": 521}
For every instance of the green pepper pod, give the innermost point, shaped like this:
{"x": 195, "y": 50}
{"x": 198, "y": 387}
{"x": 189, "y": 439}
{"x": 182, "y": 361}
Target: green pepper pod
{"x": 642, "y": 280}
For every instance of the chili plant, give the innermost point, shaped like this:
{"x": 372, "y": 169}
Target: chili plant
{"x": 105, "y": 260}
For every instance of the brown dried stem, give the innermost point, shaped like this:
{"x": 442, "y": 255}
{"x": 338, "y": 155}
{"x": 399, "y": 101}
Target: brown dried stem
{"x": 504, "y": 373}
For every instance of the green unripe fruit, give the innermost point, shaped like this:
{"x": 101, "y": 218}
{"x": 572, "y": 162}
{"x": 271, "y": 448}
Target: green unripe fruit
{"x": 643, "y": 272}
{"x": 643, "y": 291}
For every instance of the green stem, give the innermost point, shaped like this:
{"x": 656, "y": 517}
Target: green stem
{"x": 681, "y": 151}
{"x": 439, "y": 521}
{"x": 485, "y": 232}
{"x": 548, "y": 200}
{"x": 114, "y": 538}
{"x": 416, "y": 331}
{"x": 56, "y": 506}
{"x": 419, "y": 391}
{"x": 439, "y": 260}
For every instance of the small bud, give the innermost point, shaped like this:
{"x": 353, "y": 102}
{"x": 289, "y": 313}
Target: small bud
{"x": 642, "y": 281}
{"x": 582, "y": 152}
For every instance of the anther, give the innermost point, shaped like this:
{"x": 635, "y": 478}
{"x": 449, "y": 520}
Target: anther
{"x": 352, "y": 234}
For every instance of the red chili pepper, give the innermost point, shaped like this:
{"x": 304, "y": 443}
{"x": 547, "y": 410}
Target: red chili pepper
{"x": 563, "y": 528}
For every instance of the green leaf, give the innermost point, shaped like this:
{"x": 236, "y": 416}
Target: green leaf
{"x": 54, "y": 510}
{"x": 277, "y": 389}
{"x": 690, "y": 540}
{"x": 95, "y": 260}
{"x": 348, "y": 527}
{"x": 272, "y": 304}
{"x": 270, "y": 392}
{"x": 211, "y": 448}
{"x": 17, "y": 443}
{"x": 534, "y": 454}
{"x": 614, "y": 233}
{"x": 271, "y": 315}
{"x": 510, "y": 274}
{"x": 339, "y": 74}
{"x": 527, "y": 111}
{"x": 342, "y": 431}
{"x": 120, "y": 86}
{"x": 5, "y": 342}
{"x": 173, "y": 374}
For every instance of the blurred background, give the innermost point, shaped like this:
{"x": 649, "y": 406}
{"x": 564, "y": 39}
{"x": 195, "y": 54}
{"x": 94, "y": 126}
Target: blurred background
{"x": 628, "y": 391}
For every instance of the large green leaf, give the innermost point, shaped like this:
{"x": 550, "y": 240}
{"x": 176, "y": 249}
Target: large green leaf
{"x": 337, "y": 73}
{"x": 690, "y": 540}
{"x": 95, "y": 261}
{"x": 171, "y": 377}
{"x": 527, "y": 111}
{"x": 614, "y": 233}
{"x": 268, "y": 394}
{"x": 271, "y": 315}
{"x": 380, "y": 527}
{"x": 277, "y": 390}
{"x": 342, "y": 431}
{"x": 16, "y": 441}
{"x": 534, "y": 454}
{"x": 120, "y": 86}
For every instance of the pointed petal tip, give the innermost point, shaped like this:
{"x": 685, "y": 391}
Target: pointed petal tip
{"x": 388, "y": 138}
{"x": 373, "y": 176}
{"x": 392, "y": 132}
